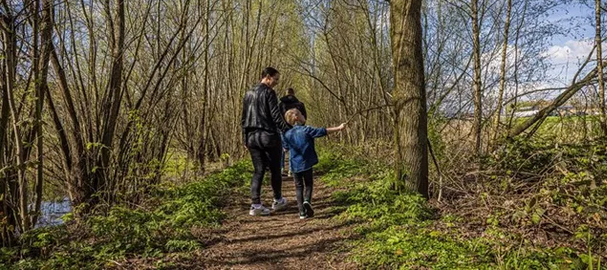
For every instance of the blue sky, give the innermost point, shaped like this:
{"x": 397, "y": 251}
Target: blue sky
{"x": 565, "y": 52}
{"x": 568, "y": 50}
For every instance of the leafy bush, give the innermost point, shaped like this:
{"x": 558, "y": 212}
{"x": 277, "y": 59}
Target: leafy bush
{"x": 383, "y": 207}
{"x": 123, "y": 231}
{"x": 403, "y": 231}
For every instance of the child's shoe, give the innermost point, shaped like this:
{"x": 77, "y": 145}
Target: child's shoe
{"x": 308, "y": 208}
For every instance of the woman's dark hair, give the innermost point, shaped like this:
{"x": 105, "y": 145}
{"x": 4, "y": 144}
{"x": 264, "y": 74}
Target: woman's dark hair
{"x": 269, "y": 71}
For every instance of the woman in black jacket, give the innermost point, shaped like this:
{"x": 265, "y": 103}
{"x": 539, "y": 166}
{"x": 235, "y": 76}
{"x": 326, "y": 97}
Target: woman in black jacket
{"x": 261, "y": 121}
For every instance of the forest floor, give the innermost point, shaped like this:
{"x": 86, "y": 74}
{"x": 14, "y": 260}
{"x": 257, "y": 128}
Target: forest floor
{"x": 521, "y": 213}
{"x": 278, "y": 241}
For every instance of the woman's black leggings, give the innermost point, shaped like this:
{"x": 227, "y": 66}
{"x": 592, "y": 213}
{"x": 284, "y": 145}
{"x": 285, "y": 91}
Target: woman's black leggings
{"x": 265, "y": 149}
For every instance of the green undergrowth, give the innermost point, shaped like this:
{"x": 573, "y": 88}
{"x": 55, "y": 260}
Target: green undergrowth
{"x": 403, "y": 231}
{"x": 163, "y": 225}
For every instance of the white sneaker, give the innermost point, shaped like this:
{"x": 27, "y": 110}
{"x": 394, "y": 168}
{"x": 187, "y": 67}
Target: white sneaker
{"x": 280, "y": 204}
{"x": 259, "y": 211}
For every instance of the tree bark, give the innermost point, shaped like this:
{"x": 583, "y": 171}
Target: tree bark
{"x": 409, "y": 96}
{"x": 10, "y": 69}
{"x": 115, "y": 93}
{"x": 41, "y": 89}
{"x": 558, "y": 101}
{"x": 599, "y": 60}
{"x": 478, "y": 95}
{"x": 500, "y": 98}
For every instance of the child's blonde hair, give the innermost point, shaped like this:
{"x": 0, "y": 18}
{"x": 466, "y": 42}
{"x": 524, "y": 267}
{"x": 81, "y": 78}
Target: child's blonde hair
{"x": 292, "y": 116}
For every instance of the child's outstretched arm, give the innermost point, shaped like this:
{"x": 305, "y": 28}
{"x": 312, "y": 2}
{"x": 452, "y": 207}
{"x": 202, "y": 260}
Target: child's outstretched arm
{"x": 336, "y": 129}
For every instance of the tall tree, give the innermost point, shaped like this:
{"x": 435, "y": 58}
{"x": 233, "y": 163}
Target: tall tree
{"x": 500, "y": 98}
{"x": 41, "y": 65}
{"x": 478, "y": 95}
{"x": 599, "y": 62}
{"x": 115, "y": 92}
{"x": 409, "y": 96}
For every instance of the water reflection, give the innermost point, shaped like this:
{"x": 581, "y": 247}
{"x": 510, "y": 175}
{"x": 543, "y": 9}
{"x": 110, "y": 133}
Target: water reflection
{"x": 52, "y": 211}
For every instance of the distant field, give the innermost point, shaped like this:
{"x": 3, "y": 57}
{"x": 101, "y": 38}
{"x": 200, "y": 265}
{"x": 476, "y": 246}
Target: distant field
{"x": 567, "y": 128}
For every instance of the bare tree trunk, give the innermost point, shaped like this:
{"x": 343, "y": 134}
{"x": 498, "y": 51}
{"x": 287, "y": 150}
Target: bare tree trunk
{"x": 10, "y": 66}
{"x": 478, "y": 95}
{"x": 7, "y": 186}
{"x": 516, "y": 64}
{"x": 201, "y": 152}
{"x": 41, "y": 89}
{"x": 409, "y": 96}
{"x": 500, "y": 98}
{"x": 115, "y": 91}
{"x": 599, "y": 59}
{"x": 78, "y": 174}
{"x": 558, "y": 101}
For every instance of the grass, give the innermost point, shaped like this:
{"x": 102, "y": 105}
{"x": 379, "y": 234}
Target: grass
{"x": 163, "y": 225}
{"x": 566, "y": 128}
{"x": 397, "y": 230}
{"x": 403, "y": 231}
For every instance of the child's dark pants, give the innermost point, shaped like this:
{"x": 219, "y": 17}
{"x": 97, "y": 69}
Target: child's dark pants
{"x": 303, "y": 180}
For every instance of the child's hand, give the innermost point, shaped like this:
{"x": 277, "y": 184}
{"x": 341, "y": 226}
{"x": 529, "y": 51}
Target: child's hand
{"x": 337, "y": 128}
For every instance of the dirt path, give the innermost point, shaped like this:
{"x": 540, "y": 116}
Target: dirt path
{"x": 282, "y": 240}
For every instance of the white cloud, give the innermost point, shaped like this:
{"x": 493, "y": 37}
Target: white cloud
{"x": 573, "y": 51}
{"x": 494, "y": 60}
{"x": 566, "y": 59}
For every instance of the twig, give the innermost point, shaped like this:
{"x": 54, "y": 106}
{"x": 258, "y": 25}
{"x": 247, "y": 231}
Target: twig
{"x": 440, "y": 175}
{"x": 116, "y": 262}
{"x": 556, "y": 224}
{"x": 366, "y": 110}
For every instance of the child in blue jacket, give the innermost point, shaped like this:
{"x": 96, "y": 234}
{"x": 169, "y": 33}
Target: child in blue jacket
{"x": 300, "y": 142}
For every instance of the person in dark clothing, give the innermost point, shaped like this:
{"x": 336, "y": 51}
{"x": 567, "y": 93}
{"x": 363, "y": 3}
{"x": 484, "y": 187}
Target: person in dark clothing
{"x": 261, "y": 122}
{"x": 286, "y": 103}
{"x": 291, "y": 102}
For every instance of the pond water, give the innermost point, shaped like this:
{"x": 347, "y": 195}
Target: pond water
{"x": 52, "y": 211}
